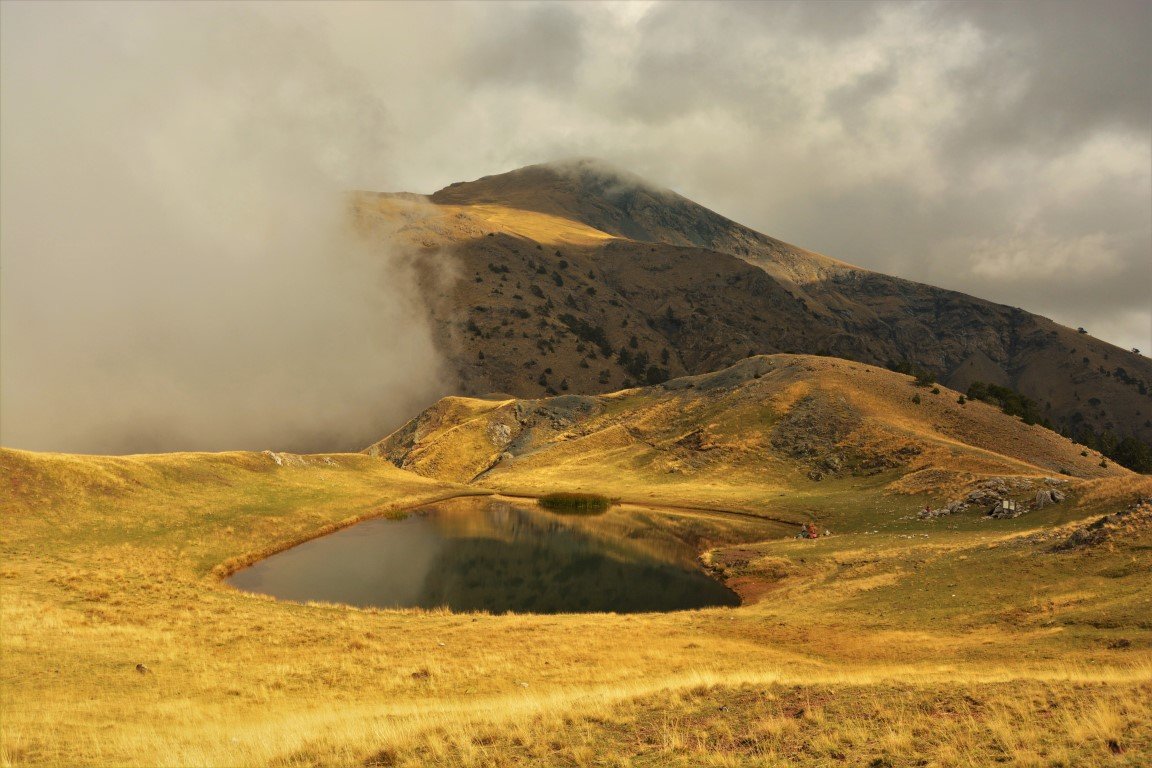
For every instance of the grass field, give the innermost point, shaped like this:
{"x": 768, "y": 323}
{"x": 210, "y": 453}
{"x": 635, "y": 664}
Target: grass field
{"x": 961, "y": 641}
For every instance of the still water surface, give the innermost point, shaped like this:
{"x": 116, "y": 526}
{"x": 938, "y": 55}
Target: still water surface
{"x": 476, "y": 554}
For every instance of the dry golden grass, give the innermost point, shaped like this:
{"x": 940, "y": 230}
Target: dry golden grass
{"x": 851, "y": 650}
{"x": 423, "y": 223}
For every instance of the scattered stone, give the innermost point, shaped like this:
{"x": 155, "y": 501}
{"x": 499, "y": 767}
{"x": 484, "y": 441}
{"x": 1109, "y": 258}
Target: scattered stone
{"x": 950, "y": 508}
{"x": 1006, "y": 509}
{"x": 143, "y": 669}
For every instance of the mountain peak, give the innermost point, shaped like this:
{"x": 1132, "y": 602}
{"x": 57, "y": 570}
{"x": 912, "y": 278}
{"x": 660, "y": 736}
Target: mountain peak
{"x": 622, "y": 204}
{"x": 563, "y": 187}
{"x": 608, "y": 198}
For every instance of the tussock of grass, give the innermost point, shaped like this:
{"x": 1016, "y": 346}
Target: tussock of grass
{"x": 575, "y": 503}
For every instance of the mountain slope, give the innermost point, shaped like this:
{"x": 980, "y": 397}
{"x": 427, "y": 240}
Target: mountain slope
{"x": 769, "y": 425}
{"x": 576, "y": 277}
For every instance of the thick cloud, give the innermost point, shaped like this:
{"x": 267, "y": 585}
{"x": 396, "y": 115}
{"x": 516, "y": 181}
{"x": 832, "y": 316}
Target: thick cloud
{"x": 172, "y": 175}
{"x": 180, "y": 268}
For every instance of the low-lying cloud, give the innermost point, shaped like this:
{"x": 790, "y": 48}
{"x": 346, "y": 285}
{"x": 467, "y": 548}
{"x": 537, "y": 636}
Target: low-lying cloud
{"x": 180, "y": 269}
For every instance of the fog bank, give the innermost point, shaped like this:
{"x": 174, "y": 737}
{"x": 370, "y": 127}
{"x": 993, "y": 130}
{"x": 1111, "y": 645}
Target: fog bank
{"x": 179, "y": 270}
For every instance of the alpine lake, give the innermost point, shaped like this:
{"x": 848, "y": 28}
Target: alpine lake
{"x": 481, "y": 554}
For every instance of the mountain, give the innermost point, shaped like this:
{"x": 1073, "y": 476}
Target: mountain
{"x": 576, "y": 277}
{"x": 780, "y": 425}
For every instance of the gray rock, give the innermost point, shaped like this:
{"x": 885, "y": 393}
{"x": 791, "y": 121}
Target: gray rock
{"x": 1006, "y": 509}
{"x": 1046, "y": 497}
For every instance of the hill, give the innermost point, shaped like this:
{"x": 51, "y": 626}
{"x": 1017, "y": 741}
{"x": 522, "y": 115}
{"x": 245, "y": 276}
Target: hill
{"x": 800, "y": 427}
{"x": 578, "y": 277}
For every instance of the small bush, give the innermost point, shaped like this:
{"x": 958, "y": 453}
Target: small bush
{"x": 916, "y": 399}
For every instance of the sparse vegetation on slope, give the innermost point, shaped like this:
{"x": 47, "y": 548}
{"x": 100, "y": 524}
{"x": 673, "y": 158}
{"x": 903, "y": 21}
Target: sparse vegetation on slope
{"x": 548, "y": 253}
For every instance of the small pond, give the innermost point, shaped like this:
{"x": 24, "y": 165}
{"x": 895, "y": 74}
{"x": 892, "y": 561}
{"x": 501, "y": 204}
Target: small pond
{"x": 479, "y": 554}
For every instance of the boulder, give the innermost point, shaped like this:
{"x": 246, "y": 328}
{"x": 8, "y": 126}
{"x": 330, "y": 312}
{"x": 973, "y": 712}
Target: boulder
{"x": 1048, "y": 496}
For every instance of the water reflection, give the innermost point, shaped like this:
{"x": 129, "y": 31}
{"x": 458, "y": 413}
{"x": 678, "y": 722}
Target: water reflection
{"x": 478, "y": 554}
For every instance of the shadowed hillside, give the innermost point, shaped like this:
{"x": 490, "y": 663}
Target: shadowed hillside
{"x": 577, "y": 277}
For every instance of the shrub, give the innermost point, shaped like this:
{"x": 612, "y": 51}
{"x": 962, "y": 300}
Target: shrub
{"x": 656, "y": 375}
{"x": 585, "y": 331}
{"x": 575, "y": 503}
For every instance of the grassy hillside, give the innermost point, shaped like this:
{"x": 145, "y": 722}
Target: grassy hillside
{"x": 770, "y": 433}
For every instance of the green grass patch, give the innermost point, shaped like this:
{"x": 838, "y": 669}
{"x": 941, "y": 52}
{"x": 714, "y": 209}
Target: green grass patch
{"x": 575, "y": 503}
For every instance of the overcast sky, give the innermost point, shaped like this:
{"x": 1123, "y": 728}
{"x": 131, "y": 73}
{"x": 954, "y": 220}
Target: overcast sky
{"x": 170, "y": 178}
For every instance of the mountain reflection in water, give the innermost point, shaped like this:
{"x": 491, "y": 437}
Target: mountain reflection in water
{"x": 475, "y": 554}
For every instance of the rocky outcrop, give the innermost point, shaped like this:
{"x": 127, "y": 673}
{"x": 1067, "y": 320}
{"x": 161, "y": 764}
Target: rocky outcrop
{"x": 995, "y": 495}
{"x": 1127, "y": 522}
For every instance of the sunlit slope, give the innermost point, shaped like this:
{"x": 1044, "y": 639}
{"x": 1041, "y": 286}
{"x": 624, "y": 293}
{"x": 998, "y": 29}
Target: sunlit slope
{"x": 440, "y": 225}
{"x": 774, "y": 423}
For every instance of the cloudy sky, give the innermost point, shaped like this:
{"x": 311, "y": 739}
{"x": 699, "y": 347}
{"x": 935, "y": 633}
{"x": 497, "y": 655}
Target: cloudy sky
{"x": 171, "y": 175}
